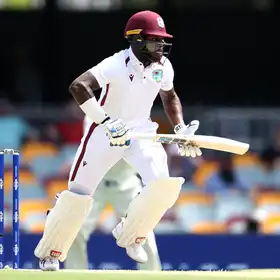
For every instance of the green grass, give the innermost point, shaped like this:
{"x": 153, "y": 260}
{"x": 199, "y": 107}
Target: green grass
{"x": 9, "y": 274}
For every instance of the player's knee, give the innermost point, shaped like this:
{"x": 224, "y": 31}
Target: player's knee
{"x": 161, "y": 173}
{"x": 168, "y": 185}
{"x": 78, "y": 189}
{"x": 164, "y": 173}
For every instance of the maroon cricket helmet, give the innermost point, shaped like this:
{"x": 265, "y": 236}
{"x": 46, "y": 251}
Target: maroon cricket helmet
{"x": 146, "y": 33}
{"x": 146, "y": 23}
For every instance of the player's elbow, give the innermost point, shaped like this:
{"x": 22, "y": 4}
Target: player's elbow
{"x": 74, "y": 87}
{"x": 77, "y": 88}
{"x": 79, "y": 92}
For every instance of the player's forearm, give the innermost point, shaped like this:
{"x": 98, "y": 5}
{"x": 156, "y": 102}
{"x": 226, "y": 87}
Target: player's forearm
{"x": 172, "y": 106}
{"x": 82, "y": 89}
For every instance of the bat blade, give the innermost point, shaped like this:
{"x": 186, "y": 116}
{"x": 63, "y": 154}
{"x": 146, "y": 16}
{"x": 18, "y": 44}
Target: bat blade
{"x": 202, "y": 141}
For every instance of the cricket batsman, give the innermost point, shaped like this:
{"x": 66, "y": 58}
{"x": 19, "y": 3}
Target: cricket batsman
{"x": 130, "y": 80}
{"x": 119, "y": 186}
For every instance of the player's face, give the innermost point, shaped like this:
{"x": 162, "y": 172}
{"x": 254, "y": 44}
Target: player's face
{"x": 155, "y": 46}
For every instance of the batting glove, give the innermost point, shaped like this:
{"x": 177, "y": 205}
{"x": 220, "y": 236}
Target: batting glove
{"x": 189, "y": 150}
{"x": 117, "y": 132}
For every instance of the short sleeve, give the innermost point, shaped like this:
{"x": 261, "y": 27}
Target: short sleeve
{"x": 106, "y": 71}
{"x": 168, "y": 76}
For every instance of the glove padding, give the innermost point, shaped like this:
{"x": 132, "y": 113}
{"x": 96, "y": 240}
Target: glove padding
{"x": 117, "y": 132}
{"x": 189, "y": 130}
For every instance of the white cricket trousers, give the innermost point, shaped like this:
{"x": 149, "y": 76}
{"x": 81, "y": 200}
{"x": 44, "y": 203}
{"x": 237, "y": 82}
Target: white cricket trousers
{"x": 95, "y": 157}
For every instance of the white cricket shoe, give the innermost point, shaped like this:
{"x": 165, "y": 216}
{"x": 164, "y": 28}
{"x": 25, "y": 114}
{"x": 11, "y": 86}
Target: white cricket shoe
{"x": 49, "y": 264}
{"x": 134, "y": 251}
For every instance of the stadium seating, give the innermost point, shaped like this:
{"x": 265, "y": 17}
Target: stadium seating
{"x": 193, "y": 207}
{"x": 44, "y": 166}
{"x": 229, "y": 205}
{"x": 271, "y": 225}
{"x": 55, "y": 186}
{"x": 45, "y": 169}
{"x": 26, "y": 177}
{"x": 15, "y": 129}
{"x": 31, "y": 150}
{"x": 209, "y": 228}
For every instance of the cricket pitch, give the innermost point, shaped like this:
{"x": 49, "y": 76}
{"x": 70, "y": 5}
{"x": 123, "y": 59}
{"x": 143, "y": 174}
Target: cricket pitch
{"x": 9, "y": 274}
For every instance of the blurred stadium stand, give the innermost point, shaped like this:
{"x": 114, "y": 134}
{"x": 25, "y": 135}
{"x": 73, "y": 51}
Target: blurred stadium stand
{"x": 222, "y": 193}
{"x": 21, "y": 4}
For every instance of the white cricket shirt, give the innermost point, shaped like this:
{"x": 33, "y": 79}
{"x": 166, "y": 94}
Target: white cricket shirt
{"x": 129, "y": 89}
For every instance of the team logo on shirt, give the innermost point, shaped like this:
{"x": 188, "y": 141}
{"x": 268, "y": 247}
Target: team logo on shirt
{"x": 157, "y": 75}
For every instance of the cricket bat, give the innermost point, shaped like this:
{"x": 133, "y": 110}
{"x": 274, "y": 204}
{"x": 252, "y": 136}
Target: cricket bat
{"x": 202, "y": 141}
